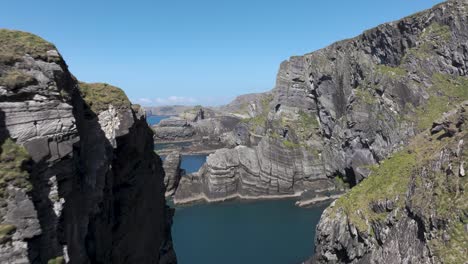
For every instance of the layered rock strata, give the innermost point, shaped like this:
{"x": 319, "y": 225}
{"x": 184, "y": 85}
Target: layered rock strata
{"x": 172, "y": 172}
{"x": 346, "y": 107}
{"x": 412, "y": 208}
{"x": 79, "y": 180}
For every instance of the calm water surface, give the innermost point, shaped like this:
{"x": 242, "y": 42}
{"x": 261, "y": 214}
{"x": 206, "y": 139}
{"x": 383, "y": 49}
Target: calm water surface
{"x": 272, "y": 232}
{"x": 154, "y": 119}
{"x": 191, "y": 163}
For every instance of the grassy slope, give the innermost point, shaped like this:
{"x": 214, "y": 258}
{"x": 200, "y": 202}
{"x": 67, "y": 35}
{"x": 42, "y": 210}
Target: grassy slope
{"x": 100, "y": 95}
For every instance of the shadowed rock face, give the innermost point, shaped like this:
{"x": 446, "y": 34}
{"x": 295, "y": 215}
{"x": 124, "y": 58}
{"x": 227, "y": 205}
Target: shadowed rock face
{"x": 85, "y": 186}
{"x": 336, "y": 111}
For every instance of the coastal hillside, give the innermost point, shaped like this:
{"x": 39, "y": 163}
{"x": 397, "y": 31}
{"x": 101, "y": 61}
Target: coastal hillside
{"x": 337, "y": 112}
{"x": 79, "y": 180}
{"x": 411, "y": 209}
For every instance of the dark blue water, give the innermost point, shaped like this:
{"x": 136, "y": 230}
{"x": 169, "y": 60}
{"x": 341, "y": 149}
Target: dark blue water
{"x": 273, "y": 232}
{"x": 192, "y": 163}
{"x": 154, "y": 119}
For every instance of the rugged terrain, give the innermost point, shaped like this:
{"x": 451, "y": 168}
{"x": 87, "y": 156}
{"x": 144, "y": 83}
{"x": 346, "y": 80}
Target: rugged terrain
{"x": 199, "y": 130}
{"x": 411, "y": 209}
{"x": 337, "y": 111}
{"x": 79, "y": 180}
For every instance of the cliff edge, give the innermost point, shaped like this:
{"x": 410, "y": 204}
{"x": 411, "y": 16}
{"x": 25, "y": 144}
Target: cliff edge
{"x": 79, "y": 180}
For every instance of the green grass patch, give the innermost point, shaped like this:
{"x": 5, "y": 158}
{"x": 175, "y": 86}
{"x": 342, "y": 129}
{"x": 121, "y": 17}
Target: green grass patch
{"x": 12, "y": 159}
{"x": 387, "y": 181}
{"x": 392, "y": 72}
{"x": 16, "y": 79}
{"x": 432, "y": 37}
{"x": 100, "y": 95}
{"x": 6, "y": 231}
{"x": 455, "y": 249}
{"x": 364, "y": 95}
{"x": 57, "y": 260}
{"x": 16, "y": 44}
{"x": 290, "y": 144}
{"x": 260, "y": 119}
{"x": 446, "y": 92}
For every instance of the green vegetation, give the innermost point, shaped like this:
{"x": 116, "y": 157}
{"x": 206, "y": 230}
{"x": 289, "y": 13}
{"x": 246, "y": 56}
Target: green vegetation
{"x": 307, "y": 122}
{"x": 387, "y": 181}
{"x": 5, "y": 231}
{"x": 16, "y": 79}
{"x": 445, "y": 93}
{"x": 456, "y": 249}
{"x": 436, "y": 30}
{"x": 57, "y": 260}
{"x": 340, "y": 182}
{"x": 392, "y": 72}
{"x": 12, "y": 159}
{"x": 260, "y": 119}
{"x": 430, "y": 39}
{"x": 15, "y": 44}
{"x": 364, "y": 95}
{"x": 290, "y": 144}
{"x": 436, "y": 193}
{"x": 100, "y": 95}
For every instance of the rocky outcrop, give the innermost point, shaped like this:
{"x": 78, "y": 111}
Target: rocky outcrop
{"x": 204, "y": 130}
{"x": 173, "y": 129}
{"x": 351, "y": 104}
{"x": 248, "y": 105}
{"x": 412, "y": 208}
{"x": 172, "y": 172}
{"x": 79, "y": 181}
{"x": 267, "y": 170}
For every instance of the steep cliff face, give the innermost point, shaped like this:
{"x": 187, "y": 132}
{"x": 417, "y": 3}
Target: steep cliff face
{"x": 411, "y": 209}
{"x": 79, "y": 180}
{"x": 338, "y": 110}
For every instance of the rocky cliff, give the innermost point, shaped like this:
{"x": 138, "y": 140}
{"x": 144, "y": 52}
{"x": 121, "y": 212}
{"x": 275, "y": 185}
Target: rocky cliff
{"x": 411, "y": 209}
{"x": 337, "y": 111}
{"x": 79, "y": 180}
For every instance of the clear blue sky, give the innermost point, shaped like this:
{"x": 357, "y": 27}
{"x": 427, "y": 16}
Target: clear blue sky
{"x": 194, "y": 51}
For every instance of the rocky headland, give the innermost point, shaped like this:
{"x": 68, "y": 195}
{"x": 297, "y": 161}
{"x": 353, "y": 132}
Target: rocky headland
{"x": 79, "y": 180}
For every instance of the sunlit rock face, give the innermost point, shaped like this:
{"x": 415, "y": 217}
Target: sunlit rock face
{"x": 337, "y": 111}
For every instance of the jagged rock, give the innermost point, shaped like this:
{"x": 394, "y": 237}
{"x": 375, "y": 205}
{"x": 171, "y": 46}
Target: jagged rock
{"x": 80, "y": 180}
{"x": 267, "y": 170}
{"x": 352, "y": 103}
{"x": 421, "y": 221}
{"x": 173, "y": 128}
{"x": 172, "y": 172}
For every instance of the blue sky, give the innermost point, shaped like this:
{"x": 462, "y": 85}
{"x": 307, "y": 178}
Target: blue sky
{"x": 194, "y": 52}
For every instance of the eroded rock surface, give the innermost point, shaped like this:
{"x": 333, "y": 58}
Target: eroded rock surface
{"x": 412, "y": 209}
{"x": 335, "y": 112}
{"x": 172, "y": 172}
{"x": 79, "y": 180}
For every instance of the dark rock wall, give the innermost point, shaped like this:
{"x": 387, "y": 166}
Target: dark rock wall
{"x": 96, "y": 190}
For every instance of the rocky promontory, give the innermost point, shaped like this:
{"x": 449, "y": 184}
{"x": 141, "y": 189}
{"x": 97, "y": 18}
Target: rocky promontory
{"x": 79, "y": 180}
